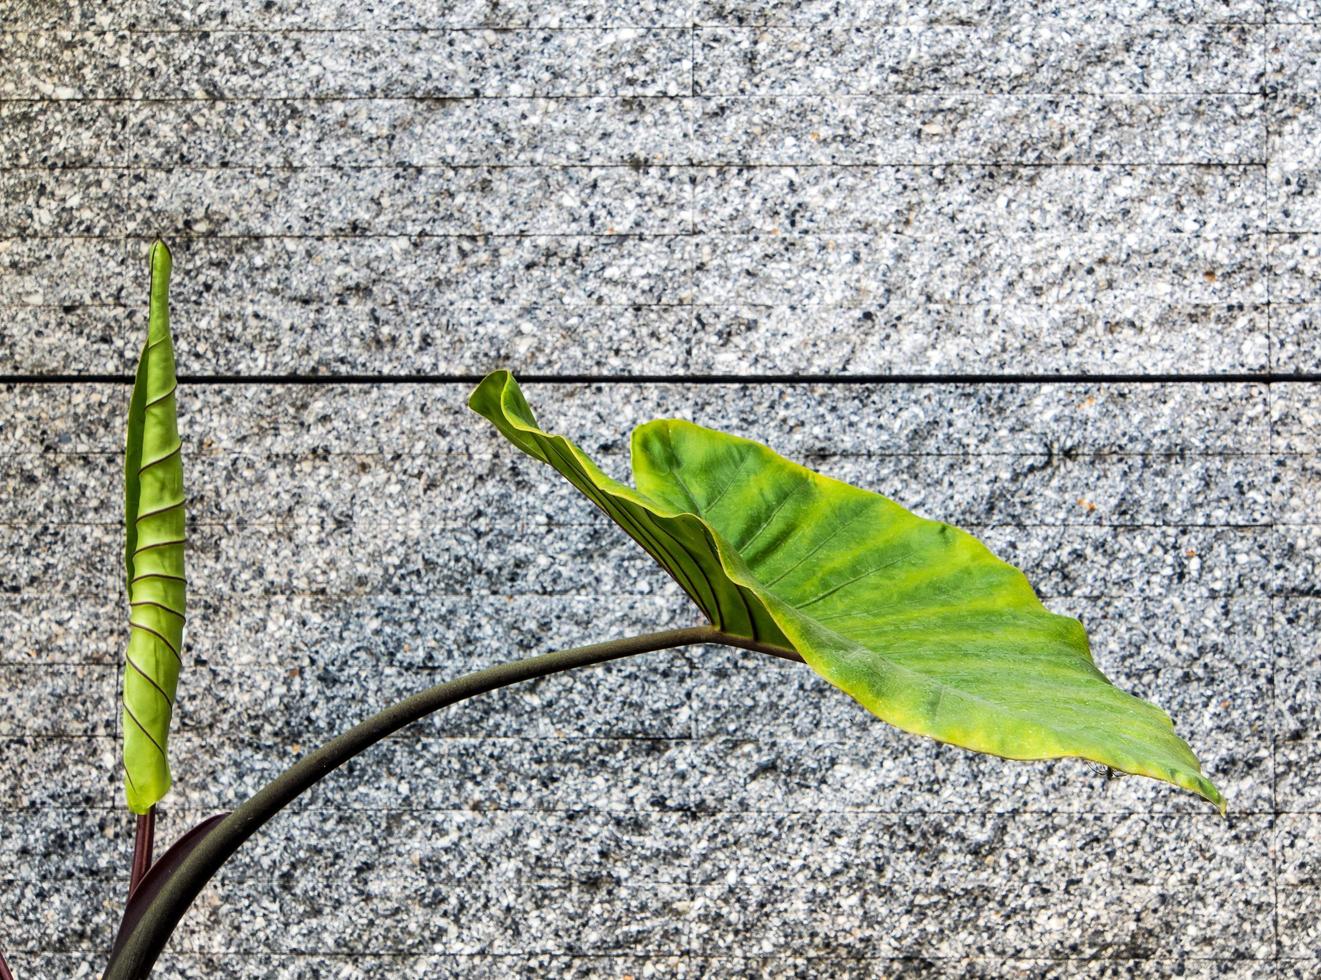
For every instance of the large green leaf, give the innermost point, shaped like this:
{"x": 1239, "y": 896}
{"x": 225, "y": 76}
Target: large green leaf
{"x": 153, "y": 553}
{"x": 915, "y": 619}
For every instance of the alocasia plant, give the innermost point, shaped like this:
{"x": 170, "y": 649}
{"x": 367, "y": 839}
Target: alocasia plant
{"x": 915, "y": 619}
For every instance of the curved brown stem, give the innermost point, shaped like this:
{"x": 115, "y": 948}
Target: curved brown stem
{"x": 143, "y": 842}
{"x": 4, "y": 969}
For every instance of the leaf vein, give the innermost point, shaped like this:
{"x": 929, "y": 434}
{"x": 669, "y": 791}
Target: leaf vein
{"x": 168, "y": 645}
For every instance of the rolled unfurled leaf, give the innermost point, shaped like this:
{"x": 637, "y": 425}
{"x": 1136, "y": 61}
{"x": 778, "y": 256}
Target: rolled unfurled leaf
{"x": 915, "y": 619}
{"x": 153, "y": 553}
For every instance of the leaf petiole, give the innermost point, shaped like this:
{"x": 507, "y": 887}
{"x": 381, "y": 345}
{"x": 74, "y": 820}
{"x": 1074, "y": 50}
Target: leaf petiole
{"x": 136, "y": 953}
{"x": 143, "y": 843}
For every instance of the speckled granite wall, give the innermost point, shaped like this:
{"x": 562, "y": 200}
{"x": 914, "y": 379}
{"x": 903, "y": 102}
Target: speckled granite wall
{"x": 733, "y": 187}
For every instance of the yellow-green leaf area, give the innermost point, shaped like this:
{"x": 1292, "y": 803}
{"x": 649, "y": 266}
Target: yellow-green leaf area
{"x": 153, "y": 553}
{"x": 915, "y": 619}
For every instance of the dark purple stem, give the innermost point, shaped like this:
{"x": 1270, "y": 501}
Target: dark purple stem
{"x": 143, "y": 843}
{"x": 142, "y": 940}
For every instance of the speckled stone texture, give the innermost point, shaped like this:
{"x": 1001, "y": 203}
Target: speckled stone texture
{"x": 738, "y": 188}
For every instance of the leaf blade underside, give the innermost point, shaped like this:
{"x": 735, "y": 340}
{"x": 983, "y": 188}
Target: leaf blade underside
{"x": 915, "y": 619}
{"x": 153, "y": 554}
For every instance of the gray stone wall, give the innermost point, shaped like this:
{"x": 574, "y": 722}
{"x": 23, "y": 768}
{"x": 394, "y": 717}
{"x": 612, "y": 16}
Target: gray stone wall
{"x": 1123, "y": 196}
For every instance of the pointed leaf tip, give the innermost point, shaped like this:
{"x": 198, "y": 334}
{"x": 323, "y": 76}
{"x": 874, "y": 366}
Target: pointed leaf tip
{"x": 160, "y": 254}
{"x": 915, "y": 619}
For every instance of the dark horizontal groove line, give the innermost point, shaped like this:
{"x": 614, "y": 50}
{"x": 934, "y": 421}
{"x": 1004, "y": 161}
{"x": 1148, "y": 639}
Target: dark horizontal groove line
{"x": 310, "y": 808}
{"x": 817, "y": 455}
{"x": 336, "y": 167}
{"x": 952, "y": 93}
{"x": 455, "y": 527}
{"x": 1116, "y": 814}
{"x": 614, "y": 164}
{"x": 630, "y": 96}
{"x": 657, "y": 235}
{"x": 345, "y": 597}
{"x": 359, "y": 236}
{"x": 200, "y": 304}
{"x": 665, "y": 952}
{"x": 869, "y": 238}
{"x": 729, "y": 165}
{"x": 1245, "y": 377}
{"x": 668, "y": 953}
{"x": 417, "y": 29}
{"x": 468, "y": 97}
{"x": 1235, "y": 814}
{"x": 340, "y": 597}
{"x": 742, "y": 25}
{"x": 636, "y": 304}
{"x": 482, "y": 27}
